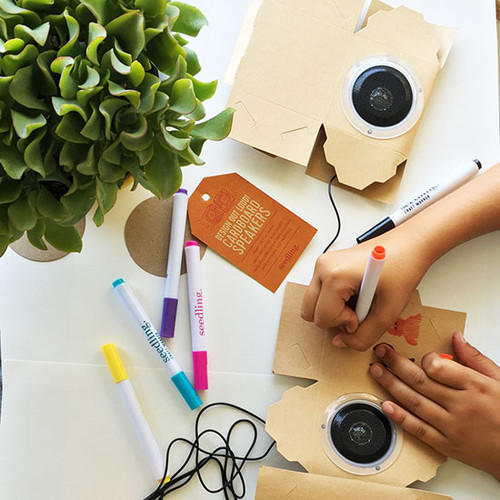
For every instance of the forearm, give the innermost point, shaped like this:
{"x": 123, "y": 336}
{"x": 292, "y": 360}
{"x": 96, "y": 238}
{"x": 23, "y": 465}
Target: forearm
{"x": 470, "y": 211}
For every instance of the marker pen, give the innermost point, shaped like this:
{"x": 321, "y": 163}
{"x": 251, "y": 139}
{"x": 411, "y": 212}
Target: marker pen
{"x": 177, "y": 376}
{"x": 197, "y": 315}
{"x": 369, "y": 282}
{"x": 177, "y": 230}
{"x": 148, "y": 441}
{"x": 424, "y": 199}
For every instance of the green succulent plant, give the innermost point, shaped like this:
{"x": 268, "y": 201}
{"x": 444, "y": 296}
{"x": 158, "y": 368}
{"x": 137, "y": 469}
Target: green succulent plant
{"x": 93, "y": 92}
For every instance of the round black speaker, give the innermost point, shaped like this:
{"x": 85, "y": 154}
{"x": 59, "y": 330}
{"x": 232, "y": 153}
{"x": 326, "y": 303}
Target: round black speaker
{"x": 361, "y": 433}
{"x": 382, "y": 96}
{"x": 357, "y": 436}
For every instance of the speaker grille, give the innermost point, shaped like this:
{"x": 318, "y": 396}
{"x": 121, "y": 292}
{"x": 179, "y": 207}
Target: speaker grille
{"x": 361, "y": 433}
{"x": 382, "y": 96}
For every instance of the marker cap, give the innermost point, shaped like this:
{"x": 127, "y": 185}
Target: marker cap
{"x": 168, "y": 317}
{"x": 200, "y": 369}
{"x": 114, "y": 363}
{"x": 186, "y": 389}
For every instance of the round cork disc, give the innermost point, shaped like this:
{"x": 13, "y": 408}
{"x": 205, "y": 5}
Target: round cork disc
{"x": 147, "y": 236}
{"x": 25, "y": 249}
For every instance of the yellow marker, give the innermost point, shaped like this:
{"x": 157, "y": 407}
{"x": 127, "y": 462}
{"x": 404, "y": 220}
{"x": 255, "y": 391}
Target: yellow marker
{"x": 141, "y": 426}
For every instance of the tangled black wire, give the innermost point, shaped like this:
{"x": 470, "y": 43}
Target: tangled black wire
{"x": 229, "y": 464}
{"x": 336, "y": 213}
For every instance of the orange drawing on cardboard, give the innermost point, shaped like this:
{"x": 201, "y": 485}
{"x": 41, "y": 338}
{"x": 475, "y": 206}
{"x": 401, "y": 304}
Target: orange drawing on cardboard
{"x": 409, "y": 328}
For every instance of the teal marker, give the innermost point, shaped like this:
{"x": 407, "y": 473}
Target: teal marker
{"x": 177, "y": 376}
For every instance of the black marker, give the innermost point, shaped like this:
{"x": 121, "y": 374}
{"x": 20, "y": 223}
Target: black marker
{"x": 424, "y": 199}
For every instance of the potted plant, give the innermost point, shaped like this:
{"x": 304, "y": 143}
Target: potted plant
{"x": 93, "y": 92}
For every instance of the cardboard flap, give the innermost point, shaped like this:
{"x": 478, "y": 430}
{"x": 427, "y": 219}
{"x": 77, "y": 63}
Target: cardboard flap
{"x": 273, "y": 129}
{"x": 306, "y": 351}
{"x": 320, "y": 169}
{"x": 277, "y": 484}
{"x": 407, "y": 30}
{"x": 374, "y": 160}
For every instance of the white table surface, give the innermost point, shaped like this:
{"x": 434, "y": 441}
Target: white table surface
{"x": 62, "y": 433}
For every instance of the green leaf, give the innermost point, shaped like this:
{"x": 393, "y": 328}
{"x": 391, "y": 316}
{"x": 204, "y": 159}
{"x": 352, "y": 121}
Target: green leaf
{"x": 39, "y": 34}
{"x": 33, "y": 153}
{"x": 70, "y": 127}
{"x": 193, "y": 65}
{"x": 190, "y": 20}
{"x": 106, "y": 195}
{"x": 9, "y": 189}
{"x": 24, "y": 125}
{"x": 4, "y": 244}
{"x": 151, "y": 8}
{"x": 89, "y": 165}
{"x": 12, "y": 162}
{"x": 103, "y": 10}
{"x": 13, "y": 62}
{"x": 93, "y": 128}
{"x": 70, "y": 48}
{"x": 45, "y": 81}
{"x": 78, "y": 203}
{"x": 138, "y": 139}
{"x": 92, "y": 79}
{"x": 65, "y": 106}
{"x": 97, "y": 34}
{"x": 21, "y": 215}
{"x": 109, "y": 172}
{"x": 48, "y": 206}
{"x": 108, "y": 109}
{"x": 164, "y": 172}
{"x": 148, "y": 90}
{"x": 133, "y": 96}
{"x": 129, "y": 31}
{"x": 215, "y": 129}
{"x": 35, "y": 235}
{"x": 113, "y": 153}
{"x": 163, "y": 50}
{"x": 4, "y": 221}
{"x": 72, "y": 154}
{"x": 24, "y": 91}
{"x": 203, "y": 91}
{"x": 182, "y": 99}
{"x": 64, "y": 238}
{"x": 174, "y": 142}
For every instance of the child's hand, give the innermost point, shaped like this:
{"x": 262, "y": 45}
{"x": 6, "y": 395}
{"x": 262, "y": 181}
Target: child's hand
{"x": 337, "y": 279}
{"x": 455, "y": 408}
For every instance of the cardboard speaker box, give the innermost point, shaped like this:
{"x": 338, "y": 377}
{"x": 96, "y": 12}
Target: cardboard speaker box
{"x": 335, "y": 87}
{"x": 304, "y": 422}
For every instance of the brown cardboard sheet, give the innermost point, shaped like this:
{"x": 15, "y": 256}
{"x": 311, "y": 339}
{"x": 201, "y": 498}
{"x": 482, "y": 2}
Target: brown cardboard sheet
{"x": 287, "y": 86}
{"x": 278, "y": 484}
{"x": 304, "y": 350}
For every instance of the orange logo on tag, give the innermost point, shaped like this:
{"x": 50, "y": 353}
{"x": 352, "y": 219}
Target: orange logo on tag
{"x": 248, "y": 228}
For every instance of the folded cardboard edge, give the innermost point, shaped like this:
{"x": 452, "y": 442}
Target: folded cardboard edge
{"x": 273, "y": 484}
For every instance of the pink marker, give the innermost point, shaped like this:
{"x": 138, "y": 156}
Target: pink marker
{"x": 197, "y": 315}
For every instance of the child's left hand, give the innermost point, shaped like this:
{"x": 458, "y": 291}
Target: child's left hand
{"x": 453, "y": 407}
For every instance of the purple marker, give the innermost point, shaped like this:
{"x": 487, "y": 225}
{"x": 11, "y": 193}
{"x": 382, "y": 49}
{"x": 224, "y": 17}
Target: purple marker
{"x": 177, "y": 230}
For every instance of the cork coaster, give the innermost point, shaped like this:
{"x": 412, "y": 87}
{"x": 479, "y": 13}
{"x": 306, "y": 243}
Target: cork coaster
{"x": 25, "y": 249}
{"x": 147, "y": 236}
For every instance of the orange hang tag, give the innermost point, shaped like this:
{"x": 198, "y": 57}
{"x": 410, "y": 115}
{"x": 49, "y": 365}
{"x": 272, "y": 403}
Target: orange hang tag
{"x": 248, "y": 228}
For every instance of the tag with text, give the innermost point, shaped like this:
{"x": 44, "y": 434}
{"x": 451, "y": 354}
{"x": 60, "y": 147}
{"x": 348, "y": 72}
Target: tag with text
{"x": 247, "y": 227}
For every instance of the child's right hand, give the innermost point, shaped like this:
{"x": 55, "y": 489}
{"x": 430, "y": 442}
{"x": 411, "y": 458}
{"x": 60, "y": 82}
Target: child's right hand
{"x": 337, "y": 279}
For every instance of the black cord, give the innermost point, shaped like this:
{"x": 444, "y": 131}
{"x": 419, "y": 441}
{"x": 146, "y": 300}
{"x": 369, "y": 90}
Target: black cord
{"x": 336, "y": 213}
{"x": 229, "y": 464}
